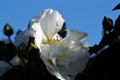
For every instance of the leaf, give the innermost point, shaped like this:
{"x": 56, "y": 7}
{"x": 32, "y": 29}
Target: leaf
{"x": 10, "y": 51}
{"x": 2, "y": 49}
{"x": 7, "y": 51}
{"x": 63, "y": 32}
{"x": 116, "y": 7}
{"x": 117, "y": 23}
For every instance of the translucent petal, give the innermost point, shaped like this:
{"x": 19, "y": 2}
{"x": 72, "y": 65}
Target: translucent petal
{"x": 70, "y": 59}
{"x": 50, "y": 51}
{"x": 38, "y": 34}
{"x": 51, "y": 22}
{"x": 76, "y": 35}
{"x": 51, "y": 67}
{"x": 23, "y": 37}
{"x": 73, "y": 60}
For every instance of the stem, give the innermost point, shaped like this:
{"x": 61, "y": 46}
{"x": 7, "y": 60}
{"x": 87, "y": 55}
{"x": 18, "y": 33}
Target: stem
{"x": 9, "y": 39}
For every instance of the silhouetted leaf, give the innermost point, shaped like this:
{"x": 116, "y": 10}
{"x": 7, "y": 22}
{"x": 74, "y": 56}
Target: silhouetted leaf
{"x": 117, "y": 23}
{"x": 107, "y": 24}
{"x": 117, "y": 7}
{"x": 10, "y": 51}
{"x": 2, "y": 49}
{"x": 63, "y": 32}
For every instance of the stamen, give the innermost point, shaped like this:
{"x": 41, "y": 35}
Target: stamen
{"x": 55, "y": 39}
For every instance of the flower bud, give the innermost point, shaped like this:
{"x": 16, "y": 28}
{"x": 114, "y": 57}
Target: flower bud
{"x": 107, "y": 24}
{"x": 8, "y": 31}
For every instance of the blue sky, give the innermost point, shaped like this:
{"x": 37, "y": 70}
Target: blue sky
{"x": 83, "y": 15}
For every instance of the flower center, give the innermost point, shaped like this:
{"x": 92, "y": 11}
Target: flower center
{"x": 55, "y": 39}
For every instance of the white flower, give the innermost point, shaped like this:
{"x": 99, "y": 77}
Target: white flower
{"x": 63, "y": 57}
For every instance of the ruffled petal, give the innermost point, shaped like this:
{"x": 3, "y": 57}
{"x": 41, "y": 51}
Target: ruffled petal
{"x": 38, "y": 34}
{"x": 51, "y": 22}
{"x": 76, "y": 35}
{"x": 50, "y": 51}
{"x": 73, "y": 60}
{"x": 70, "y": 56}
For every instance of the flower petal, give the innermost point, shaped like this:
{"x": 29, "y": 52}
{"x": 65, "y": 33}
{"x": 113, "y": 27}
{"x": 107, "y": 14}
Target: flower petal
{"x": 70, "y": 56}
{"x": 51, "y": 22}
{"x": 50, "y": 51}
{"x": 23, "y": 37}
{"x": 73, "y": 60}
{"x": 76, "y": 35}
{"x": 51, "y": 67}
{"x": 38, "y": 34}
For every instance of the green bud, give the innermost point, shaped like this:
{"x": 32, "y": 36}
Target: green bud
{"x": 106, "y": 32}
{"x": 8, "y": 31}
{"x": 107, "y": 24}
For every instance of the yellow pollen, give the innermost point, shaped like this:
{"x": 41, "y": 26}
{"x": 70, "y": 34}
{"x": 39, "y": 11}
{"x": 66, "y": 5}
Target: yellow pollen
{"x": 54, "y": 40}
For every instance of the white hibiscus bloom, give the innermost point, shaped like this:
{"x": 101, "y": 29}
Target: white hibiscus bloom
{"x": 63, "y": 57}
